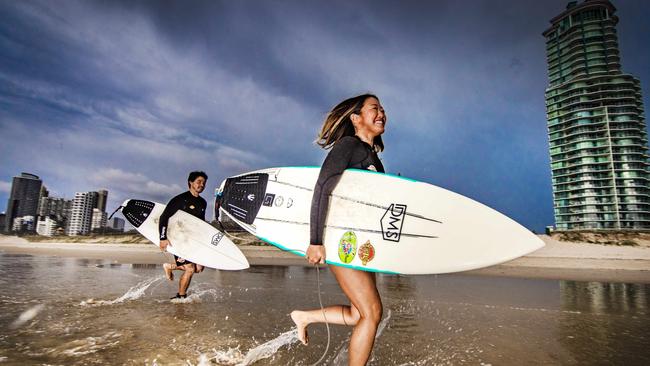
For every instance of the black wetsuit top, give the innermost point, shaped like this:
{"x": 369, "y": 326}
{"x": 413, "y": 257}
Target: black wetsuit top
{"x": 348, "y": 152}
{"x": 185, "y": 201}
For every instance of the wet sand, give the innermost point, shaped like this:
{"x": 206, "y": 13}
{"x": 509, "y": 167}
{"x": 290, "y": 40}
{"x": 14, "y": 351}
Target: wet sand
{"x": 76, "y": 311}
{"x": 557, "y": 260}
{"x": 108, "y": 304}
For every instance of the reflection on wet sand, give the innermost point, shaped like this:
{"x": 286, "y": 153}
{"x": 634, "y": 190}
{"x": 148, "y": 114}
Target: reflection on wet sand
{"x": 605, "y": 297}
{"x": 607, "y": 322}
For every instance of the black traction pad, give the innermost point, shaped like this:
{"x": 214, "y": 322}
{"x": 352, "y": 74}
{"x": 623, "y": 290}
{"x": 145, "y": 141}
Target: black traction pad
{"x": 243, "y": 196}
{"x": 136, "y": 211}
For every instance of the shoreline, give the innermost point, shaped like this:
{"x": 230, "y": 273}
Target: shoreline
{"x": 556, "y": 261}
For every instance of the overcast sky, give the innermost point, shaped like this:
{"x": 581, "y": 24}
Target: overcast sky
{"x": 131, "y": 96}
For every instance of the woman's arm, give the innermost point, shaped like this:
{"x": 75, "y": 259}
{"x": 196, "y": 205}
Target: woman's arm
{"x": 334, "y": 165}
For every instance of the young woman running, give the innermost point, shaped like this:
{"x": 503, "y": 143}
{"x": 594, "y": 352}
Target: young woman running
{"x": 353, "y": 131}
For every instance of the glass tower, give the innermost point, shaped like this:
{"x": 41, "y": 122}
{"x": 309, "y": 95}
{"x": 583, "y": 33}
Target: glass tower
{"x": 596, "y": 124}
{"x": 23, "y": 201}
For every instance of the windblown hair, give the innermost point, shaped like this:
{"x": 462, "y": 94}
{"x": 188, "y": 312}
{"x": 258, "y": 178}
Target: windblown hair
{"x": 338, "y": 124}
{"x": 193, "y": 175}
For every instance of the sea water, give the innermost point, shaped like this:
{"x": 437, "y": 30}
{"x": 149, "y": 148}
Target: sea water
{"x": 61, "y": 311}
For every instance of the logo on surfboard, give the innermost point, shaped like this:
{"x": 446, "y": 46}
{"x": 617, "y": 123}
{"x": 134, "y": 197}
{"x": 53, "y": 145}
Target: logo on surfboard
{"x": 268, "y": 199}
{"x": 392, "y": 222}
{"x": 216, "y": 239}
{"x": 348, "y": 247}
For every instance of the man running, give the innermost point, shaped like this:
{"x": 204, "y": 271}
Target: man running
{"x": 192, "y": 203}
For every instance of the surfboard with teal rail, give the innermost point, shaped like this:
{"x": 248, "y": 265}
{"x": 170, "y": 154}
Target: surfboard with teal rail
{"x": 376, "y": 222}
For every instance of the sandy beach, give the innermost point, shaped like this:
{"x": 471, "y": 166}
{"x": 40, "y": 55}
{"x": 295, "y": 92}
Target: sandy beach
{"x": 101, "y": 301}
{"x": 557, "y": 260}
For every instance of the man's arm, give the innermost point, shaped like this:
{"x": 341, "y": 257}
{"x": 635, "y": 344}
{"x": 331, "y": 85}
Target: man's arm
{"x": 174, "y": 205}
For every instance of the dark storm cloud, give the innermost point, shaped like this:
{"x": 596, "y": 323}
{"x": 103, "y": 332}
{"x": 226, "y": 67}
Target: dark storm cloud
{"x": 129, "y": 96}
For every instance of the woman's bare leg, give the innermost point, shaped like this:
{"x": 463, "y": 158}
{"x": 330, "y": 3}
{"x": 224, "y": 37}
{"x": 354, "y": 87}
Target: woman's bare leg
{"x": 335, "y": 314}
{"x": 364, "y": 313}
{"x": 361, "y": 288}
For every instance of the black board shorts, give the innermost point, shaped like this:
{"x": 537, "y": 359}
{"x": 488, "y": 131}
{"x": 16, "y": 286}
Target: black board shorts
{"x": 181, "y": 261}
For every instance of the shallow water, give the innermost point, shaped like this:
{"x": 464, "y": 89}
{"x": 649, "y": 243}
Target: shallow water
{"x": 61, "y": 311}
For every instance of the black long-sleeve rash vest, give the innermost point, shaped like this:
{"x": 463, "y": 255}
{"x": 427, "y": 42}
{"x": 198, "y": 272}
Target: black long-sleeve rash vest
{"x": 186, "y": 202}
{"x": 348, "y": 152}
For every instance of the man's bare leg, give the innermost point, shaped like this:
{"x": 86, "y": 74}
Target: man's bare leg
{"x": 186, "y": 278}
{"x": 168, "y": 268}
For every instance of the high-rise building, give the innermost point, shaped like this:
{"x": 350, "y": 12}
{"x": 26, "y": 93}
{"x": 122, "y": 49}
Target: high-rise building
{"x": 23, "y": 200}
{"x": 81, "y": 213}
{"x": 43, "y": 193}
{"x": 94, "y": 197}
{"x": 52, "y": 206}
{"x": 67, "y": 210}
{"x": 596, "y": 124}
{"x": 102, "y": 195}
{"x": 24, "y": 224}
{"x": 116, "y": 224}
{"x": 98, "y": 220}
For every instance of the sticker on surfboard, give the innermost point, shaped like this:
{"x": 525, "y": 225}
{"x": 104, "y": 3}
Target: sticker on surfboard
{"x": 366, "y": 253}
{"x": 348, "y": 247}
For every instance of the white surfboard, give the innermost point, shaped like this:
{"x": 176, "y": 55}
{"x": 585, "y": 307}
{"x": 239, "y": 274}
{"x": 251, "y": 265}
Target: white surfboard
{"x": 191, "y": 237}
{"x": 376, "y": 222}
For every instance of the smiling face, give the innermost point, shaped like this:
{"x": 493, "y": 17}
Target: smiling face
{"x": 197, "y": 186}
{"x": 371, "y": 120}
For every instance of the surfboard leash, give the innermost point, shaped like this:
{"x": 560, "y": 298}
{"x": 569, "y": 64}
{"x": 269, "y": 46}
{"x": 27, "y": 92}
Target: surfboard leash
{"x": 320, "y": 301}
{"x": 322, "y": 308}
{"x": 114, "y": 212}
{"x": 327, "y": 324}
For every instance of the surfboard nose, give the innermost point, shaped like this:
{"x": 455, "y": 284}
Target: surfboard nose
{"x": 237, "y": 261}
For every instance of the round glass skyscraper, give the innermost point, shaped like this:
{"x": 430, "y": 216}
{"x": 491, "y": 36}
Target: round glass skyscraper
{"x": 596, "y": 124}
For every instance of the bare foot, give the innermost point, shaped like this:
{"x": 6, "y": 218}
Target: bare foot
{"x": 168, "y": 271}
{"x": 298, "y": 317}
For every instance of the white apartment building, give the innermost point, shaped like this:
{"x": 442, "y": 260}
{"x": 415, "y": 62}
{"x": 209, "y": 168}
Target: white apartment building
{"x": 46, "y": 226}
{"x": 81, "y": 213}
{"x": 99, "y": 219}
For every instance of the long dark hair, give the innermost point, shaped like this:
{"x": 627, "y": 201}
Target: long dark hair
{"x": 338, "y": 124}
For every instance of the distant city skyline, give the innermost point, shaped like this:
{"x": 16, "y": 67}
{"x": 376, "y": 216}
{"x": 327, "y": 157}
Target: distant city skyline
{"x": 32, "y": 210}
{"x": 131, "y": 97}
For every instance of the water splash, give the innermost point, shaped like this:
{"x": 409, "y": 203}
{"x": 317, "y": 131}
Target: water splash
{"x": 203, "y": 360}
{"x": 88, "y": 345}
{"x": 27, "y": 315}
{"x": 133, "y": 293}
{"x": 195, "y": 297}
{"x": 342, "y": 356}
{"x": 233, "y": 356}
